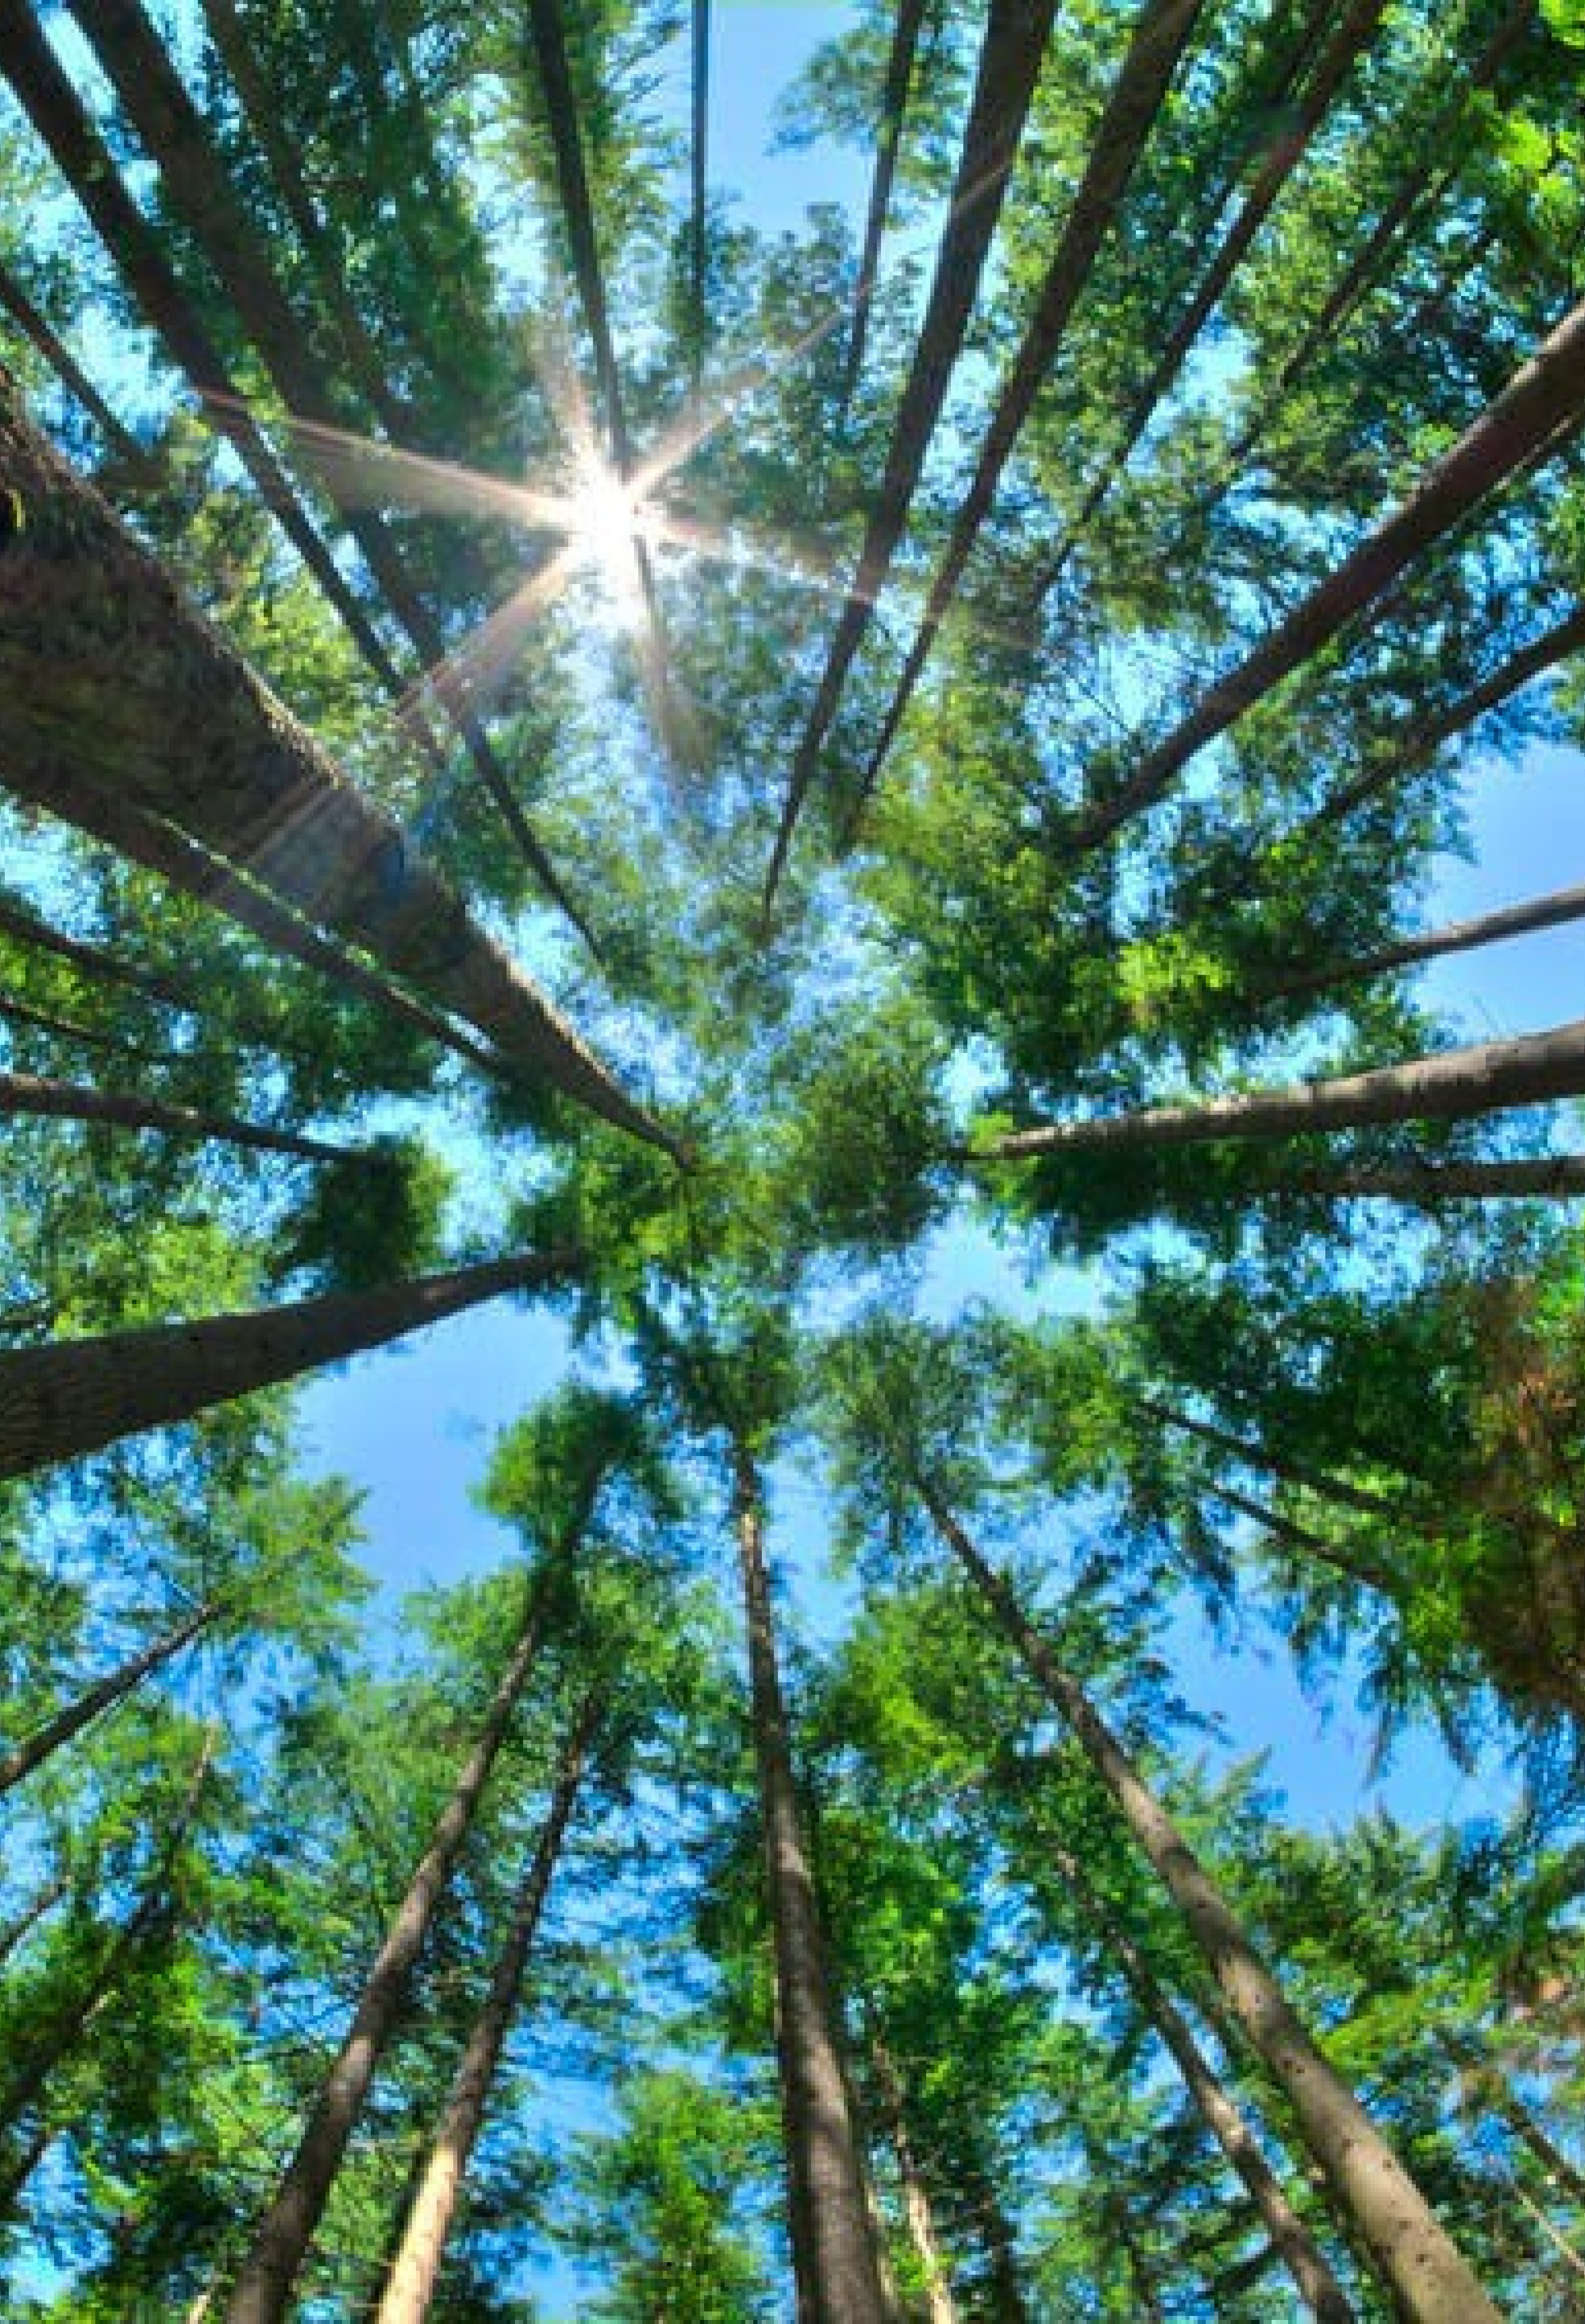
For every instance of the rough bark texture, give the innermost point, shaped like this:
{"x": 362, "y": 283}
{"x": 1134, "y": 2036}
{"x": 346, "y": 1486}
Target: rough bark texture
{"x": 1317, "y": 2286}
{"x": 60, "y": 1401}
{"x": 1487, "y": 1077}
{"x": 1160, "y": 34}
{"x": 262, "y": 2291}
{"x": 411, "y": 2285}
{"x": 1407, "y": 2241}
{"x": 65, "y": 1102}
{"x": 833, "y": 2245}
{"x": 97, "y": 640}
{"x": 1009, "y": 66}
{"x": 76, "y": 1716}
{"x": 1544, "y": 396}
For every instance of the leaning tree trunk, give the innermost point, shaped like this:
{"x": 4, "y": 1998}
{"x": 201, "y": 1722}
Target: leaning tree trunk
{"x": 1010, "y": 55}
{"x": 1161, "y": 33}
{"x": 1492, "y": 2091}
{"x": 411, "y": 2283}
{"x": 1543, "y": 397}
{"x": 1428, "y": 1185}
{"x": 833, "y": 2245}
{"x": 1407, "y": 2242}
{"x": 16, "y": 1931}
{"x": 27, "y": 1094}
{"x": 48, "y": 1738}
{"x": 940, "y": 2307}
{"x": 71, "y": 1397}
{"x": 1366, "y": 1571}
{"x": 98, "y": 642}
{"x": 262, "y": 2291}
{"x": 1318, "y": 2287}
{"x": 906, "y": 25}
{"x": 36, "y": 327}
{"x": 1453, "y": 1085}
{"x": 1554, "y": 910}
{"x": 1252, "y": 1455}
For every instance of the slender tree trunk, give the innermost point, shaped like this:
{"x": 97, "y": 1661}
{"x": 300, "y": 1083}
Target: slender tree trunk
{"x": 96, "y": 643}
{"x": 25, "y": 927}
{"x": 1555, "y": 910}
{"x": 940, "y": 2307}
{"x": 1161, "y": 33}
{"x": 18, "y": 1930}
{"x": 1492, "y": 2089}
{"x": 1407, "y": 2242}
{"x": 1432, "y": 1184}
{"x": 1252, "y": 1455}
{"x": 1318, "y": 2287}
{"x": 833, "y": 2243}
{"x": 411, "y": 2285}
{"x": 1544, "y": 396}
{"x": 36, "y": 327}
{"x": 66, "y": 1028}
{"x": 70, "y": 1398}
{"x": 1453, "y": 1085}
{"x": 906, "y": 25}
{"x": 262, "y": 2291}
{"x": 1007, "y": 2304}
{"x": 1348, "y": 1562}
{"x": 699, "y": 171}
{"x": 48, "y": 1738}
{"x": 1014, "y": 44}
{"x": 27, "y": 1094}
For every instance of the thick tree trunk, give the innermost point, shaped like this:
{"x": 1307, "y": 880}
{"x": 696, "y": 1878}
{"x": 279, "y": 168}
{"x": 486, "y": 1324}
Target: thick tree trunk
{"x": 940, "y": 2307}
{"x": 201, "y": 193}
{"x": 906, "y": 25}
{"x": 37, "y": 328}
{"x": 100, "y": 653}
{"x": 1161, "y": 33}
{"x": 1543, "y": 397}
{"x": 411, "y": 2285}
{"x": 1014, "y": 44}
{"x": 1318, "y": 2287}
{"x": 833, "y": 2245}
{"x": 48, "y": 1738}
{"x": 71, "y": 1397}
{"x": 1453, "y": 1085}
{"x": 1555, "y": 910}
{"x": 1416, "y": 2256}
{"x": 262, "y": 2291}
{"x": 27, "y": 1094}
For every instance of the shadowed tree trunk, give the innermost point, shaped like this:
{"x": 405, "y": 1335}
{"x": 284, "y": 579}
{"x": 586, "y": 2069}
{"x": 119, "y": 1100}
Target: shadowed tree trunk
{"x": 1560, "y": 1176}
{"x": 413, "y": 2273}
{"x": 1016, "y": 33}
{"x": 27, "y": 1094}
{"x": 37, "y": 328}
{"x": 71, "y": 1397}
{"x": 1252, "y": 1455}
{"x": 16, "y": 1931}
{"x": 1556, "y": 910}
{"x": 1349, "y": 1562}
{"x": 1407, "y": 2242}
{"x": 906, "y": 28}
{"x": 1161, "y": 33}
{"x": 833, "y": 2245}
{"x": 66, "y": 1028}
{"x": 1006, "y": 2297}
{"x": 262, "y": 2291}
{"x": 48, "y": 1738}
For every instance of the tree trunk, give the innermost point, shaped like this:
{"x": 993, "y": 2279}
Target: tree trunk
{"x": 411, "y": 2285}
{"x": 25, "y": 927}
{"x": 699, "y": 174}
{"x": 1415, "y": 2254}
{"x": 1543, "y": 397}
{"x": 37, "y": 328}
{"x": 262, "y": 2291}
{"x": 1161, "y": 33}
{"x": 940, "y": 2307}
{"x": 72, "y": 1721}
{"x": 1351, "y": 1566}
{"x": 16, "y": 1931}
{"x": 66, "y": 1028}
{"x": 906, "y": 25}
{"x": 1431, "y": 1183}
{"x": 70, "y": 1398}
{"x": 27, "y": 1094}
{"x": 834, "y": 2253}
{"x": 97, "y": 644}
{"x": 1252, "y": 1455}
{"x": 1007, "y": 2304}
{"x": 1318, "y": 2287}
{"x": 1453, "y": 1085}
{"x": 1493, "y": 2091}
{"x": 1016, "y": 34}
{"x": 201, "y": 196}
{"x": 1555, "y": 910}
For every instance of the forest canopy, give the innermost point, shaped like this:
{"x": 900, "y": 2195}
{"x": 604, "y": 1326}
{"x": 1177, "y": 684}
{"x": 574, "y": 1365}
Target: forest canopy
{"x": 895, "y": 815}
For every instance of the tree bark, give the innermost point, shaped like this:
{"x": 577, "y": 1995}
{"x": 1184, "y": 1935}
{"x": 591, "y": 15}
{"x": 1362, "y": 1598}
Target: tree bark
{"x": 906, "y": 25}
{"x": 411, "y": 2285}
{"x": 48, "y": 1738}
{"x": 1161, "y": 33}
{"x": 1544, "y": 396}
{"x": 1559, "y": 1176}
{"x": 1318, "y": 2287}
{"x": 36, "y": 327}
{"x": 1348, "y": 1563}
{"x": 1252, "y": 1455}
{"x": 1007, "y": 2304}
{"x": 262, "y": 2291}
{"x": 1415, "y": 2254}
{"x": 98, "y": 648}
{"x": 28, "y": 1093}
{"x": 940, "y": 2307}
{"x": 1494, "y": 2092}
{"x": 835, "y": 2252}
{"x": 1014, "y": 39}
{"x": 1555, "y": 910}
{"x": 17, "y": 1931}
{"x": 70, "y": 1398}
{"x": 1453, "y": 1086}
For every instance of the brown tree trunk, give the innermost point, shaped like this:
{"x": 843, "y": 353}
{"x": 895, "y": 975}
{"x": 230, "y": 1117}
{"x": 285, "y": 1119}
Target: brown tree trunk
{"x": 833, "y": 2245}
{"x": 1430, "y": 1184}
{"x": 906, "y": 28}
{"x": 37, "y": 328}
{"x": 1492, "y": 2091}
{"x": 1007, "y": 2300}
{"x": 262, "y": 2291}
{"x": 1321, "y": 2294}
{"x": 1252, "y": 1455}
{"x": 1453, "y": 1085}
{"x": 27, "y": 1094}
{"x": 1555, "y": 910}
{"x": 25, "y": 927}
{"x": 411, "y": 2283}
{"x": 1416, "y": 2256}
{"x": 1014, "y": 44}
{"x": 940, "y": 2307}
{"x": 1348, "y": 1562}
{"x": 1544, "y": 396}
{"x": 97, "y": 643}
{"x": 66, "y": 1028}
{"x": 48, "y": 1738}
{"x": 16, "y": 1931}
{"x": 1161, "y": 32}
{"x": 70, "y": 1398}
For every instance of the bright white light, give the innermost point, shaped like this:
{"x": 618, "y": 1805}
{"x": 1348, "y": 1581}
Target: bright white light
{"x": 607, "y": 524}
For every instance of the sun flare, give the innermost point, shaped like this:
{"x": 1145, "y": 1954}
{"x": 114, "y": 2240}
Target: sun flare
{"x": 607, "y": 524}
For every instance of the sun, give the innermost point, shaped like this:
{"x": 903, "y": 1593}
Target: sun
{"x": 607, "y": 528}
